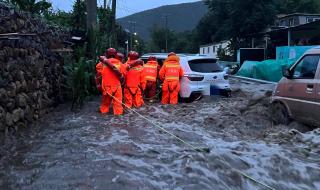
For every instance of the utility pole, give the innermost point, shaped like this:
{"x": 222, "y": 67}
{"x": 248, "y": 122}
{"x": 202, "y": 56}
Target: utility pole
{"x": 166, "y": 27}
{"x": 91, "y": 13}
{"x": 113, "y": 22}
{"x": 132, "y": 32}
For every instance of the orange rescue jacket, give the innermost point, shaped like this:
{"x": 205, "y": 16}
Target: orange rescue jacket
{"x": 109, "y": 78}
{"x": 151, "y": 71}
{"x": 171, "y": 69}
{"x": 135, "y": 76}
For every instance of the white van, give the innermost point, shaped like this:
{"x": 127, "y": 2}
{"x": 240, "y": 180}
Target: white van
{"x": 202, "y": 76}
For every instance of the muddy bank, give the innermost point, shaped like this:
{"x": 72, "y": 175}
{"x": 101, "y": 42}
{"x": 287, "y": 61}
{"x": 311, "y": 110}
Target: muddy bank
{"x": 85, "y": 150}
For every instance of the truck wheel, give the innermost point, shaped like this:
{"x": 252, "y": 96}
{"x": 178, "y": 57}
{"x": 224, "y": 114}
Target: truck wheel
{"x": 279, "y": 114}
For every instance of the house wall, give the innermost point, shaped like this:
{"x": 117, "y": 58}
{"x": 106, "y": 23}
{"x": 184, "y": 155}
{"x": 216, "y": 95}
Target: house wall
{"x": 212, "y": 49}
{"x": 297, "y": 20}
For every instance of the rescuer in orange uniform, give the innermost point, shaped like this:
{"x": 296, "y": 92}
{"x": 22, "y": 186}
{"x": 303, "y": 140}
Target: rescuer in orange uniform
{"x": 112, "y": 72}
{"x": 151, "y": 69}
{"x": 135, "y": 82}
{"x": 170, "y": 74}
{"x": 120, "y": 57}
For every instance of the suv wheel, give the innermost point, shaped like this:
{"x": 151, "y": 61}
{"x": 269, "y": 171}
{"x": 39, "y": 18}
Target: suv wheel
{"x": 279, "y": 114}
{"x": 193, "y": 97}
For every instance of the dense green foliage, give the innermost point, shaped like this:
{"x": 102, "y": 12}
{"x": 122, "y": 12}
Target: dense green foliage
{"x": 78, "y": 77}
{"x": 32, "y": 6}
{"x": 78, "y": 15}
{"x": 297, "y": 6}
{"x": 183, "y": 42}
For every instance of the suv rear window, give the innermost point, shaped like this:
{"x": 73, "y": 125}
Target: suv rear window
{"x": 205, "y": 65}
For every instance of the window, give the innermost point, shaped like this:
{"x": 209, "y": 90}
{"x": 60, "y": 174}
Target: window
{"x": 306, "y": 68}
{"x": 208, "y": 50}
{"x": 205, "y": 65}
{"x": 309, "y": 20}
{"x": 214, "y": 49}
{"x": 291, "y": 22}
{"x": 316, "y": 19}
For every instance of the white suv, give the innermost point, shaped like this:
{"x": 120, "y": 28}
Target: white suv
{"x": 202, "y": 76}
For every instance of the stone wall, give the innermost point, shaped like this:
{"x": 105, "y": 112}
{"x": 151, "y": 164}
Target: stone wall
{"x": 30, "y": 71}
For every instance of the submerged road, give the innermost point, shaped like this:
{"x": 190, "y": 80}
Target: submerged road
{"x": 86, "y": 150}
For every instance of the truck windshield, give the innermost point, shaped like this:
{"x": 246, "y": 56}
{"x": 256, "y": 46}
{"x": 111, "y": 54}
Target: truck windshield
{"x": 205, "y": 65}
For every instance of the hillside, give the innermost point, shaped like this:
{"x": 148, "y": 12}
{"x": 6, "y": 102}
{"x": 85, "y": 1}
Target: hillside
{"x": 182, "y": 17}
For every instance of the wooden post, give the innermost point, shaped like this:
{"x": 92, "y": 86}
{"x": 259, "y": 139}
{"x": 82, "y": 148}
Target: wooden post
{"x": 91, "y": 13}
{"x": 113, "y": 23}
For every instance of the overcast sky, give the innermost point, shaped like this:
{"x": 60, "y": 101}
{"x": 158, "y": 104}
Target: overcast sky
{"x": 124, "y": 7}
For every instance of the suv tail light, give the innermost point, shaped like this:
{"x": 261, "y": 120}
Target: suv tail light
{"x": 193, "y": 77}
{"x": 226, "y": 77}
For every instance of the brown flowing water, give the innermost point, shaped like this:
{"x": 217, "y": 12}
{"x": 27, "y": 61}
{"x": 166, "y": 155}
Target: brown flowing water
{"x": 86, "y": 150}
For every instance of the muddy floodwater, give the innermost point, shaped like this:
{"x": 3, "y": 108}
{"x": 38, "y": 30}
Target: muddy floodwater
{"x": 86, "y": 150}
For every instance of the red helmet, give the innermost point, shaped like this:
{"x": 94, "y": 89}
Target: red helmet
{"x": 111, "y": 52}
{"x": 133, "y": 55}
{"x": 120, "y": 56}
{"x": 171, "y": 54}
{"x": 152, "y": 58}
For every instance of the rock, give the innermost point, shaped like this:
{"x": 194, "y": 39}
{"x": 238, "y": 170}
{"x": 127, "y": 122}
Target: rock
{"x": 16, "y": 115}
{"x": 12, "y": 90}
{"x": 20, "y": 76}
{"x": 10, "y": 104}
{"x": 28, "y": 113}
{"x": 24, "y": 86}
{"x": 3, "y": 96}
{"x": 18, "y": 86}
{"x": 9, "y": 120}
{"x": 21, "y": 124}
{"x": 2, "y": 114}
{"x": 21, "y": 100}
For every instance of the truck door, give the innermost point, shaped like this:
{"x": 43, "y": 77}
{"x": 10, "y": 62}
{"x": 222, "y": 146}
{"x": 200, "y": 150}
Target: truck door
{"x": 301, "y": 89}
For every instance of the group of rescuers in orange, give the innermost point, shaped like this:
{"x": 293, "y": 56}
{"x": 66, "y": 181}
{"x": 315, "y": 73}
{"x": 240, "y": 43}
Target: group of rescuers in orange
{"x": 128, "y": 83}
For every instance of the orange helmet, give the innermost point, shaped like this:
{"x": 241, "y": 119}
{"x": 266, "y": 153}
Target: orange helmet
{"x": 152, "y": 58}
{"x": 133, "y": 55}
{"x": 111, "y": 53}
{"x": 171, "y": 54}
{"x": 120, "y": 56}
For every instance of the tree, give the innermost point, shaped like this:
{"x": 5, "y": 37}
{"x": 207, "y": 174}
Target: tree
{"x": 158, "y": 39}
{"x": 236, "y": 19}
{"x": 206, "y": 28}
{"x": 32, "y": 6}
{"x": 78, "y": 17}
{"x": 300, "y": 6}
{"x": 59, "y": 17}
{"x": 186, "y": 42}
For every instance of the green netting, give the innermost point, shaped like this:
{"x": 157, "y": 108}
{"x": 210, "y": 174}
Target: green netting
{"x": 271, "y": 70}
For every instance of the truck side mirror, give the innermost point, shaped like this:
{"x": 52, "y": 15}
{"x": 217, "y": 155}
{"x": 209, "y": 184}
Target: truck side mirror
{"x": 286, "y": 73}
